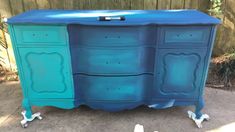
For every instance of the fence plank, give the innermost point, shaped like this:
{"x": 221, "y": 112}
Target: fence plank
{"x": 204, "y": 5}
{"x": 113, "y": 4}
{"x": 57, "y": 4}
{"x": 150, "y": 4}
{"x": 16, "y": 7}
{"x": 164, "y": 4}
{"x": 29, "y": 4}
{"x": 137, "y": 4}
{"x": 177, "y": 4}
{"x": 5, "y": 8}
{"x": 99, "y": 4}
{"x": 68, "y": 4}
{"x": 43, "y": 4}
{"x": 191, "y": 4}
{"x": 78, "y": 4}
{"x": 125, "y": 4}
{"x": 118, "y": 4}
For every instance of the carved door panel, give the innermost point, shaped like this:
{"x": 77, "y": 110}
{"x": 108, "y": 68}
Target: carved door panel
{"x": 46, "y": 72}
{"x": 179, "y": 73}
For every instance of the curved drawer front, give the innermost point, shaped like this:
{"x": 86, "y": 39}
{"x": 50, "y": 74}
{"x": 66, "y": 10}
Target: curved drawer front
{"x": 36, "y": 34}
{"x": 184, "y": 35}
{"x": 106, "y": 88}
{"x": 113, "y": 61}
{"x": 81, "y": 35}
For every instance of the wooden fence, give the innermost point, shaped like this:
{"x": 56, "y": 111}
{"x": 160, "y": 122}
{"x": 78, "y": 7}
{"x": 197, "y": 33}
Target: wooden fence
{"x": 14, "y": 7}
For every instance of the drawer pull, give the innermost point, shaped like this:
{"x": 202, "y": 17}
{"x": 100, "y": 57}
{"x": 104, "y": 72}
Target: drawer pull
{"x": 109, "y": 18}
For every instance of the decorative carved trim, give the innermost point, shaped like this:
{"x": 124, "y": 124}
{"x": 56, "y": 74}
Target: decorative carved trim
{"x": 165, "y": 70}
{"x": 32, "y": 75}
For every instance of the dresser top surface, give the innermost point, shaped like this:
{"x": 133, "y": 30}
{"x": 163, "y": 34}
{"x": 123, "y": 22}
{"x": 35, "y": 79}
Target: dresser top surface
{"x": 132, "y": 17}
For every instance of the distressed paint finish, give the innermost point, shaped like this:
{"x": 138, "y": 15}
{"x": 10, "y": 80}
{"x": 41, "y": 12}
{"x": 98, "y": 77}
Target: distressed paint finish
{"x": 120, "y": 67}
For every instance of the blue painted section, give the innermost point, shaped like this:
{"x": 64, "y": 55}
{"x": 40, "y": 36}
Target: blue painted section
{"x": 154, "y": 58}
{"x": 132, "y": 17}
{"x": 124, "y": 72}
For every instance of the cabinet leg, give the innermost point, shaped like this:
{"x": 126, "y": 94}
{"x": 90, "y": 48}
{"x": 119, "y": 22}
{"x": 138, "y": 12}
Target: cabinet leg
{"x": 198, "y": 117}
{"x": 27, "y": 114}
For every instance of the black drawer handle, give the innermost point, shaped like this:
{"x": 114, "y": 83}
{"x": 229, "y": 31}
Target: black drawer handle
{"x": 110, "y": 18}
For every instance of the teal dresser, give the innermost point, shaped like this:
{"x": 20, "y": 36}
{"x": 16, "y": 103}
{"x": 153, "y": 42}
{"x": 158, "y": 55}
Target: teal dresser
{"x": 112, "y": 60}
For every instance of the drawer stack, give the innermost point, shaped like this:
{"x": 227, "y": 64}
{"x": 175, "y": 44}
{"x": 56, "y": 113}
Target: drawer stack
{"x": 112, "y": 63}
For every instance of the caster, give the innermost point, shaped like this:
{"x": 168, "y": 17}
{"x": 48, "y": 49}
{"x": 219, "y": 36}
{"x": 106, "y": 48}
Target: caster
{"x": 206, "y": 117}
{"x": 199, "y": 121}
{"x": 39, "y": 117}
{"x": 24, "y": 122}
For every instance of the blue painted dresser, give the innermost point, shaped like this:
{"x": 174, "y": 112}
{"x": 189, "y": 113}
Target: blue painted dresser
{"x": 112, "y": 60}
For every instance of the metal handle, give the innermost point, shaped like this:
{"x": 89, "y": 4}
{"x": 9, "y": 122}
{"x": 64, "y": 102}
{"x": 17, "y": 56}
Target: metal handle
{"x": 109, "y": 18}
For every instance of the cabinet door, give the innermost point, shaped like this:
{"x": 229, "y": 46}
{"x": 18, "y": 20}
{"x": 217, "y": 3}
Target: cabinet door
{"x": 179, "y": 73}
{"x": 46, "y": 72}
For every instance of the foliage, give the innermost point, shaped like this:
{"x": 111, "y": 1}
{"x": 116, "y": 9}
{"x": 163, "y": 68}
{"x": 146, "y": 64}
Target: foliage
{"x": 216, "y": 7}
{"x": 225, "y": 68}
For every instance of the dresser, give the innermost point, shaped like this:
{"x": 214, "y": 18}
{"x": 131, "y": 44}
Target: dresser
{"x": 112, "y": 59}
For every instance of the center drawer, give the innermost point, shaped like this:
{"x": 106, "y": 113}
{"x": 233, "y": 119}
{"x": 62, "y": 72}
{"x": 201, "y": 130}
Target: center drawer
{"x": 112, "y": 88}
{"x": 118, "y": 61}
{"x": 82, "y": 35}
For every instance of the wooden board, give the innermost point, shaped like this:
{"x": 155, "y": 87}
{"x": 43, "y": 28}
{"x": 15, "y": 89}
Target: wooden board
{"x": 164, "y": 4}
{"x": 5, "y": 8}
{"x": 98, "y": 4}
{"x": 191, "y": 4}
{"x": 177, "y": 4}
{"x": 118, "y": 4}
{"x": 77, "y": 4}
{"x": 16, "y": 7}
{"x": 68, "y": 4}
{"x": 57, "y": 4}
{"x": 203, "y": 5}
{"x": 137, "y": 4}
{"x": 43, "y": 4}
{"x": 150, "y": 4}
{"x": 29, "y": 4}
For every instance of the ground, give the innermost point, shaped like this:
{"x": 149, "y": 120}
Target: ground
{"x": 219, "y": 105}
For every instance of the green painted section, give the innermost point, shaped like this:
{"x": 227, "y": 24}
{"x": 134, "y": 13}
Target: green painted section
{"x": 47, "y": 72}
{"x": 44, "y": 65}
{"x": 40, "y": 35}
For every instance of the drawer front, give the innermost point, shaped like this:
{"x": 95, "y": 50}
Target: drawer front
{"x": 118, "y": 88}
{"x": 184, "y": 35}
{"x": 81, "y": 35}
{"x": 40, "y": 34}
{"x": 113, "y": 61}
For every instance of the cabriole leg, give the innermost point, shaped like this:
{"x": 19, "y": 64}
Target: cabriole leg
{"x": 198, "y": 117}
{"x": 27, "y": 114}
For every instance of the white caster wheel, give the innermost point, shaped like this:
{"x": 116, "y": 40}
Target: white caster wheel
{"x": 39, "y": 117}
{"x": 24, "y": 122}
{"x": 206, "y": 117}
{"x": 200, "y": 120}
{"x": 199, "y": 124}
{"x": 25, "y": 125}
